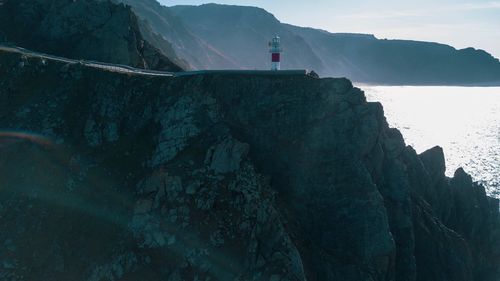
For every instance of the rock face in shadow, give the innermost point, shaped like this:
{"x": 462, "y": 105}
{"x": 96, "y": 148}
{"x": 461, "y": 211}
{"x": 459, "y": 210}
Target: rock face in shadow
{"x": 83, "y": 29}
{"x": 461, "y": 205}
{"x": 223, "y": 176}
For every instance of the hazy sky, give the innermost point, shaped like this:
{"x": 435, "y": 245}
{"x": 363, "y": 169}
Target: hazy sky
{"x": 460, "y": 23}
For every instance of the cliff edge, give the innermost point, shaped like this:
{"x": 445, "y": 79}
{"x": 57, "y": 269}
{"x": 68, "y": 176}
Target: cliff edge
{"x": 109, "y": 176}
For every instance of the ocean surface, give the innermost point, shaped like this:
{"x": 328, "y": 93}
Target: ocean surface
{"x": 465, "y": 121}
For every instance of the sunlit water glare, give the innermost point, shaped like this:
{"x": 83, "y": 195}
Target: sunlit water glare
{"x": 465, "y": 121}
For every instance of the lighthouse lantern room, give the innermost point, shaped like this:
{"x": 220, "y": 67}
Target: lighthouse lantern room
{"x": 275, "y": 50}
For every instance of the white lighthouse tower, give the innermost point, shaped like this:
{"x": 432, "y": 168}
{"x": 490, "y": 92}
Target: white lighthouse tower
{"x": 275, "y": 50}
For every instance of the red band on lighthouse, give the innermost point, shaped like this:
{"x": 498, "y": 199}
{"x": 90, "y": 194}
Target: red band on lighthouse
{"x": 275, "y": 50}
{"x": 276, "y": 57}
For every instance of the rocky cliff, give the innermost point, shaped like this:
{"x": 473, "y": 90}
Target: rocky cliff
{"x": 83, "y": 29}
{"x": 109, "y": 176}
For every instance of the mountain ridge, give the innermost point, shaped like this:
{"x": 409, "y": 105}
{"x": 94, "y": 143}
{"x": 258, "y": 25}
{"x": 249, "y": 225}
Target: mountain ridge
{"x": 189, "y": 46}
{"x": 379, "y": 61}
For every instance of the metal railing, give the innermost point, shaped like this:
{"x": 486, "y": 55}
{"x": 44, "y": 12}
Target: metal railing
{"x": 6, "y": 47}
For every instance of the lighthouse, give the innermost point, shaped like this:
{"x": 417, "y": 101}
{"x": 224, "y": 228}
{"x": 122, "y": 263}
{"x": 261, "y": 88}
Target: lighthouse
{"x": 275, "y": 50}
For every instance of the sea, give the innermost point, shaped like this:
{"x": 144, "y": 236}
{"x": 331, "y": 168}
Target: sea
{"x": 464, "y": 121}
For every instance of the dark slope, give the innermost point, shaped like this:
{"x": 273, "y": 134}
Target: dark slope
{"x": 241, "y": 33}
{"x": 108, "y": 176}
{"x": 84, "y": 29}
{"x": 189, "y": 46}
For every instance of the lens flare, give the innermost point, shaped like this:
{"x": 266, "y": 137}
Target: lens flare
{"x": 11, "y": 137}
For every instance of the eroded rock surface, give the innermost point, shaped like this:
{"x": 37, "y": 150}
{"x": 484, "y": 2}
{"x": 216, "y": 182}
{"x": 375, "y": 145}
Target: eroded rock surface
{"x": 223, "y": 177}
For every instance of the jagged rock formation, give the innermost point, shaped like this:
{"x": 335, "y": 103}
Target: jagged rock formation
{"x": 107, "y": 176}
{"x": 82, "y": 29}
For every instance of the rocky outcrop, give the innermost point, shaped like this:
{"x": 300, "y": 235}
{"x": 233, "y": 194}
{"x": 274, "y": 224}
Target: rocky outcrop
{"x": 83, "y": 29}
{"x": 462, "y": 205}
{"x": 223, "y": 177}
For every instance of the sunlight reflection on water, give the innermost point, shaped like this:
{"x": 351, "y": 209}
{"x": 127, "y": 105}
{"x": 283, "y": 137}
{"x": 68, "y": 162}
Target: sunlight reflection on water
{"x": 465, "y": 121}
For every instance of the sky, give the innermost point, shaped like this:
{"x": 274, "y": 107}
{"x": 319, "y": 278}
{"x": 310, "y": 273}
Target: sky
{"x": 460, "y": 23}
